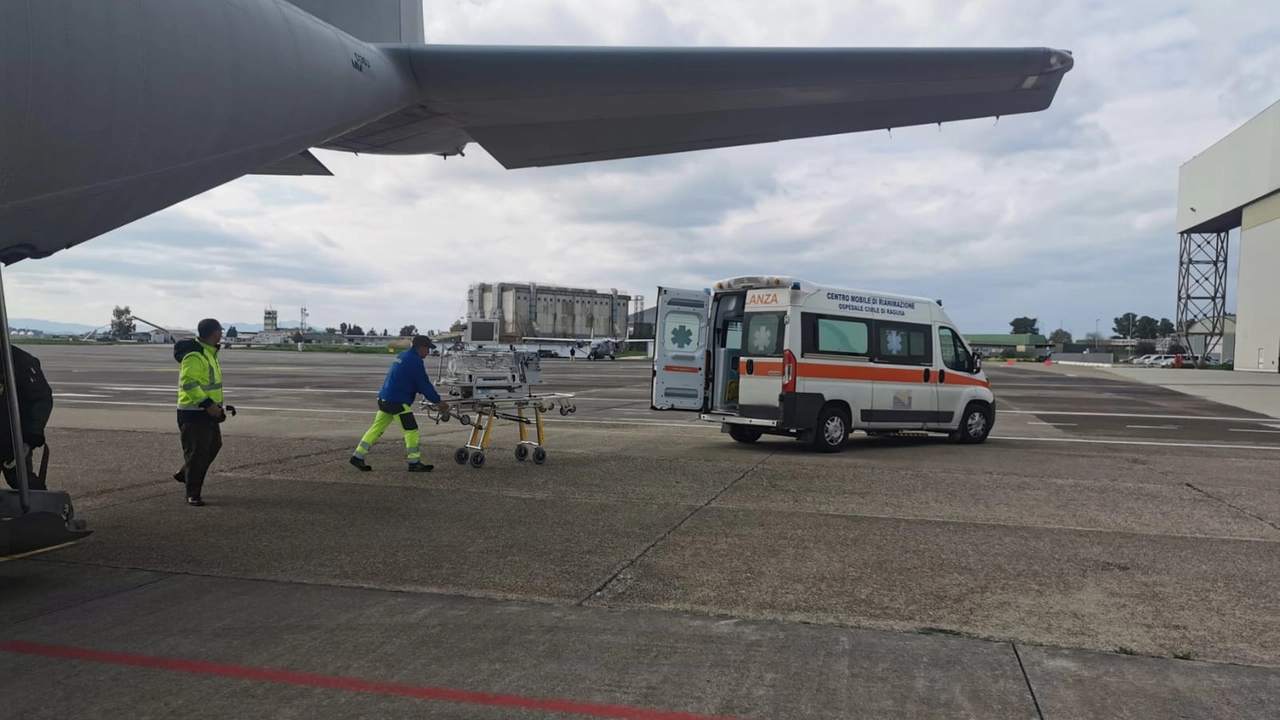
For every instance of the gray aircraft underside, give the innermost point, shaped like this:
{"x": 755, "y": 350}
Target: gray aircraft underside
{"x": 111, "y": 110}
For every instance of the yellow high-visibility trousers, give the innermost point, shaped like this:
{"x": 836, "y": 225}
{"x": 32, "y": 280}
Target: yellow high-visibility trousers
{"x": 387, "y": 412}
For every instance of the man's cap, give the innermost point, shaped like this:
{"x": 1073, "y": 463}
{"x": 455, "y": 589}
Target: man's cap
{"x": 423, "y": 341}
{"x": 207, "y": 327}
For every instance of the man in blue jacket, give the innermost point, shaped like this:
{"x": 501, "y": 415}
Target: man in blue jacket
{"x": 406, "y": 379}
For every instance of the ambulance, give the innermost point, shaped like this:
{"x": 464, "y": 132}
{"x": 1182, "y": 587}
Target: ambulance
{"x": 782, "y": 356}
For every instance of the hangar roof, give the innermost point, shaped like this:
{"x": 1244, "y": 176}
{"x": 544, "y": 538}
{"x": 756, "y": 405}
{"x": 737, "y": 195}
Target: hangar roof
{"x": 1241, "y": 168}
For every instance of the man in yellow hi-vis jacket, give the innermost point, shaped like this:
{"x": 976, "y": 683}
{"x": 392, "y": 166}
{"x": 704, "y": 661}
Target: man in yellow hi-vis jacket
{"x": 200, "y": 410}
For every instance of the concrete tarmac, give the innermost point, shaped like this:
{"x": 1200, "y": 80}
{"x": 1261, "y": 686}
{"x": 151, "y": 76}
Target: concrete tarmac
{"x": 1069, "y": 567}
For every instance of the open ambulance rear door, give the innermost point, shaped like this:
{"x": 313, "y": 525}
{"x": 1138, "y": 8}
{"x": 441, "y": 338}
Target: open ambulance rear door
{"x": 680, "y": 349}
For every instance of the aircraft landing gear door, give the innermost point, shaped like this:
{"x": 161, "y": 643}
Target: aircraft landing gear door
{"x": 680, "y": 349}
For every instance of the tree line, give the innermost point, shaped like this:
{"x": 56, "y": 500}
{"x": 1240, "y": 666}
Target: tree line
{"x": 1129, "y": 326}
{"x": 123, "y": 326}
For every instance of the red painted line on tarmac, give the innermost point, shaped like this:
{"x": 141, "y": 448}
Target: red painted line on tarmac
{"x": 333, "y": 682}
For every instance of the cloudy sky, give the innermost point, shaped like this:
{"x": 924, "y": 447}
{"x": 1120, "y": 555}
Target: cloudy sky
{"x": 1067, "y": 215}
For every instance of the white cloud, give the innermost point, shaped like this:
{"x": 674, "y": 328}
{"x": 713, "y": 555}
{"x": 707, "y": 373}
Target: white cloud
{"x": 1066, "y": 214}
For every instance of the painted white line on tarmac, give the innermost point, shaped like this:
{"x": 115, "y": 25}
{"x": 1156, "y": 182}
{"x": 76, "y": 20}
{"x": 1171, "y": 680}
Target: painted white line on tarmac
{"x": 687, "y": 424}
{"x": 1150, "y": 443}
{"x": 1041, "y": 422}
{"x": 1254, "y": 431}
{"x": 335, "y": 411}
{"x": 1002, "y": 411}
{"x": 1057, "y": 386}
{"x": 173, "y": 406}
{"x": 237, "y": 388}
{"x": 1153, "y": 427}
{"x": 250, "y": 389}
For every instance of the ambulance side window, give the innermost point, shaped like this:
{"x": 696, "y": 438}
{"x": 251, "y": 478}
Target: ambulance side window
{"x": 953, "y": 352}
{"x": 904, "y": 343}
{"x": 835, "y": 335}
{"x": 842, "y": 337}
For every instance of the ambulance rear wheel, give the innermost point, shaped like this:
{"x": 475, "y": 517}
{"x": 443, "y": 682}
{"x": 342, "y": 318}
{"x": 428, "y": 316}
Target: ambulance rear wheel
{"x": 745, "y": 435}
{"x": 461, "y": 456}
{"x": 832, "y": 430}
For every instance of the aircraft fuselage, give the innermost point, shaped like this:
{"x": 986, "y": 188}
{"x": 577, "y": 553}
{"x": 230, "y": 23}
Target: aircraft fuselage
{"x": 115, "y": 109}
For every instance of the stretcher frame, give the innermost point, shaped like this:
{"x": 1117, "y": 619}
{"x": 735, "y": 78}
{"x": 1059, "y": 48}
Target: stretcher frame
{"x": 488, "y": 410}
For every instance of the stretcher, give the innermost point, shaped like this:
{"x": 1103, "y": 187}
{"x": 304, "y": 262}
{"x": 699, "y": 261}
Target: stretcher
{"x": 492, "y": 386}
{"x": 488, "y": 411}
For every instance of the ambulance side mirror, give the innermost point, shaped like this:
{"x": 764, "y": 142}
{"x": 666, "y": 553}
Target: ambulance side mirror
{"x": 975, "y": 364}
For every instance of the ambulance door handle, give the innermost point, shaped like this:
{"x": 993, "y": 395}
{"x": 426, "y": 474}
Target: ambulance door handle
{"x": 942, "y": 376}
{"x": 751, "y": 366}
{"x": 926, "y": 374}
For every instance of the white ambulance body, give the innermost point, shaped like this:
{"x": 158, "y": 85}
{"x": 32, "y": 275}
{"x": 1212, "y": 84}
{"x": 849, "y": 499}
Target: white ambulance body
{"x": 782, "y": 356}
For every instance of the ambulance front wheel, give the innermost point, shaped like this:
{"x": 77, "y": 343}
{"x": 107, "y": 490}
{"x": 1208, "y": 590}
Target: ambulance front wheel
{"x": 744, "y": 434}
{"x": 975, "y": 424}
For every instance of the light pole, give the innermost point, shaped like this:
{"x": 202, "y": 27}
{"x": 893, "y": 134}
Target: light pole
{"x": 1096, "y": 336}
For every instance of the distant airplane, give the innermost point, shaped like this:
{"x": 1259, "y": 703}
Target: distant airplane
{"x": 596, "y": 348}
{"x": 112, "y": 110}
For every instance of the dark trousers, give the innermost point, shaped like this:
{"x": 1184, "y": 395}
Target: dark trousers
{"x": 11, "y": 473}
{"x": 200, "y": 445}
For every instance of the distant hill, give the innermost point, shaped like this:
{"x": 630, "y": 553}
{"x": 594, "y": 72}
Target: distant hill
{"x": 48, "y": 326}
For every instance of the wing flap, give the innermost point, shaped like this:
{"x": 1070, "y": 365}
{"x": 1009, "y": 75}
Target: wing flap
{"x": 531, "y": 106}
{"x": 304, "y": 163}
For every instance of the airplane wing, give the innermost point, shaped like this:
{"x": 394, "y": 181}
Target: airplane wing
{"x": 540, "y": 106}
{"x": 303, "y": 163}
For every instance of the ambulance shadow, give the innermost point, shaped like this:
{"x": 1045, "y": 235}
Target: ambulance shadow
{"x": 857, "y": 443}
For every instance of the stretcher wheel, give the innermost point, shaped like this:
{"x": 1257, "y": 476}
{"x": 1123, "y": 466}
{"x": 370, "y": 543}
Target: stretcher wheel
{"x": 564, "y": 410}
{"x": 464, "y": 419}
{"x": 477, "y": 460}
{"x": 522, "y": 452}
{"x": 461, "y": 456}
{"x": 539, "y": 456}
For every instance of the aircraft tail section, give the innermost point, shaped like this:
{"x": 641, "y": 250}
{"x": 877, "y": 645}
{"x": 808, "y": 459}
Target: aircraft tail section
{"x": 373, "y": 21}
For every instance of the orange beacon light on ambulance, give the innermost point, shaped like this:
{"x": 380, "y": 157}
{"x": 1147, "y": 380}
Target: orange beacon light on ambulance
{"x": 782, "y": 356}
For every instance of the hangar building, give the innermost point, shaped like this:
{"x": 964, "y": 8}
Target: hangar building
{"x": 1235, "y": 183}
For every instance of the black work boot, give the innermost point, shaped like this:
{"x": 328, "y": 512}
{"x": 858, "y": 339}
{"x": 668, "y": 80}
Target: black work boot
{"x": 178, "y": 476}
{"x": 195, "y": 502}
{"x": 360, "y": 464}
{"x": 420, "y": 467}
